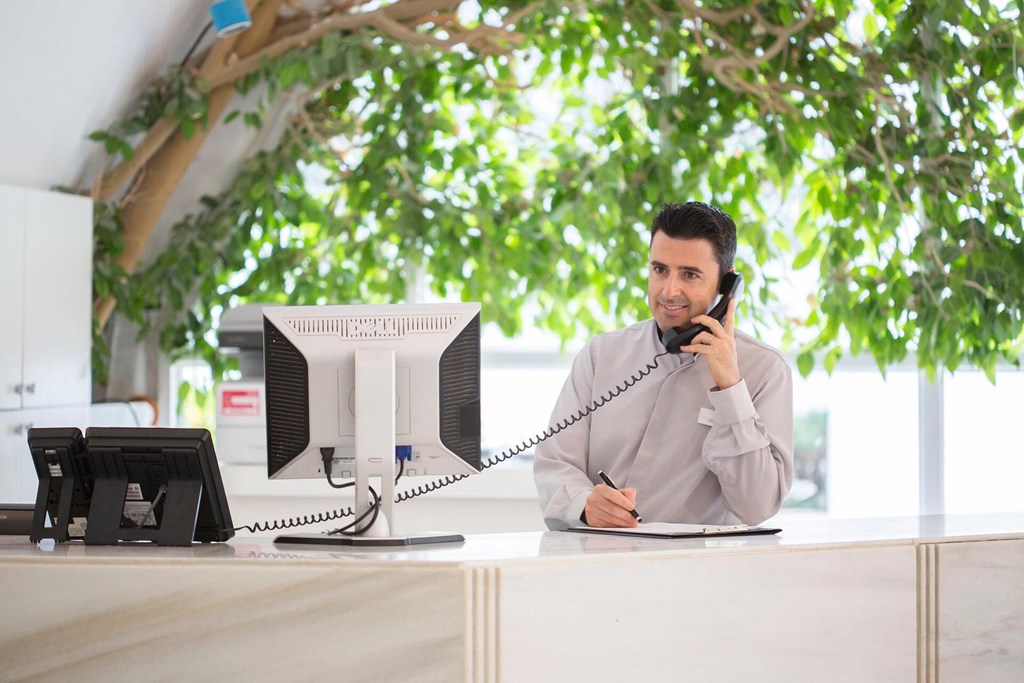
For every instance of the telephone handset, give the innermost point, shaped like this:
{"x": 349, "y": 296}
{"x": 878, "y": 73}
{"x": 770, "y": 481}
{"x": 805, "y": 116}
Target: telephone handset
{"x": 730, "y": 288}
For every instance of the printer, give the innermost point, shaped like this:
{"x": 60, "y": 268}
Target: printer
{"x": 241, "y": 406}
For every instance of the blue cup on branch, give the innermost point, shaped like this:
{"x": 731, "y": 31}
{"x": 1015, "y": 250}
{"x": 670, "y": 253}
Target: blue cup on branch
{"x": 230, "y": 16}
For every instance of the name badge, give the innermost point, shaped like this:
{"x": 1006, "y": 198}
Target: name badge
{"x": 706, "y": 417}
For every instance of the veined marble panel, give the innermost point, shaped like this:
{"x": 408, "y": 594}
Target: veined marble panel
{"x": 222, "y": 622}
{"x": 980, "y": 617}
{"x": 835, "y": 615}
{"x": 825, "y": 600}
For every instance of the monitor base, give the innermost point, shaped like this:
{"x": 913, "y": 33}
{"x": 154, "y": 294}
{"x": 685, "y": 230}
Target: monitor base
{"x": 370, "y": 541}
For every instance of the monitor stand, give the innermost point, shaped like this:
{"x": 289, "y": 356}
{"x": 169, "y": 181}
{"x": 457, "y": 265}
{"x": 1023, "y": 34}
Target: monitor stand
{"x": 375, "y": 458}
{"x": 370, "y": 541}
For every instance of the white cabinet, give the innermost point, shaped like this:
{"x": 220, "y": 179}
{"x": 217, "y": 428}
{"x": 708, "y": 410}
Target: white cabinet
{"x": 45, "y": 299}
{"x": 45, "y": 324}
{"x": 12, "y": 270}
{"x": 58, "y": 300}
{"x": 18, "y": 480}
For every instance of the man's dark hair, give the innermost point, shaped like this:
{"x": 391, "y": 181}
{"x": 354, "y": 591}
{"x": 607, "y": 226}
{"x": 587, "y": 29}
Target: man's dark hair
{"x": 697, "y": 220}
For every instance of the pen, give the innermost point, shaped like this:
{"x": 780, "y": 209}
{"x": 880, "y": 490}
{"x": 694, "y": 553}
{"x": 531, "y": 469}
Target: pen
{"x": 610, "y": 483}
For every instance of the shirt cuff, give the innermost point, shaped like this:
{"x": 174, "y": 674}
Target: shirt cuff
{"x": 577, "y": 508}
{"x": 732, "y": 405}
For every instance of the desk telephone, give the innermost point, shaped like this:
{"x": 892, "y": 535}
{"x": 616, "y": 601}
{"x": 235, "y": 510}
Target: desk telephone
{"x": 730, "y": 288}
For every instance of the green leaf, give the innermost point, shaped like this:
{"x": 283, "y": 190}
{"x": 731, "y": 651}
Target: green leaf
{"x": 805, "y": 257}
{"x": 831, "y": 358}
{"x": 870, "y": 27}
{"x": 781, "y": 241}
{"x": 184, "y": 389}
{"x": 805, "y": 363}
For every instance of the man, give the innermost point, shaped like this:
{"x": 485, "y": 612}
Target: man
{"x": 707, "y": 437}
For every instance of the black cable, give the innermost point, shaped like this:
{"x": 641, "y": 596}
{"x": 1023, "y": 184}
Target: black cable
{"x": 327, "y": 456}
{"x": 196, "y": 44}
{"x": 374, "y": 508}
{"x": 292, "y": 522}
{"x": 559, "y": 426}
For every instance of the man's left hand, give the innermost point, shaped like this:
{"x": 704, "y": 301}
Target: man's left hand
{"x": 718, "y": 346}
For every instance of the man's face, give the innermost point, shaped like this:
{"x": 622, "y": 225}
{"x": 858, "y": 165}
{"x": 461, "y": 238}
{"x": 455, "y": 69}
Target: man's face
{"x": 682, "y": 279}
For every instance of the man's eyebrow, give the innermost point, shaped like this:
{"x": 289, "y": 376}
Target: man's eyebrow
{"x": 691, "y": 269}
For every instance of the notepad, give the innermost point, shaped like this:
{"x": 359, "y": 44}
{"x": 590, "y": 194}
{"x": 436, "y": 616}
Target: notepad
{"x": 672, "y": 530}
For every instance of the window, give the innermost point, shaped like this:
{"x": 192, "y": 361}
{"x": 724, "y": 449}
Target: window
{"x": 869, "y": 464}
{"x": 191, "y": 395}
{"x": 984, "y": 442}
{"x": 518, "y": 395}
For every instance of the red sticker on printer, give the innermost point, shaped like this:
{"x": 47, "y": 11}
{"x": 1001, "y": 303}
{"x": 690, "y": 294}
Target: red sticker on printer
{"x": 240, "y": 402}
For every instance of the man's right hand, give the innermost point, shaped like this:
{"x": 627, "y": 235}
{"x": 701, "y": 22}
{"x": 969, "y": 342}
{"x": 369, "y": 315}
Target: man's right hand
{"x": 608, "y": 507}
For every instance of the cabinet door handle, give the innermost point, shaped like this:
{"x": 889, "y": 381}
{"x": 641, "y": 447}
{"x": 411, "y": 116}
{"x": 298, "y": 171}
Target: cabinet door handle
{"x": 22, "y": 428}
{"x": 19, "y": 388}
{"x": 30, "y": 388}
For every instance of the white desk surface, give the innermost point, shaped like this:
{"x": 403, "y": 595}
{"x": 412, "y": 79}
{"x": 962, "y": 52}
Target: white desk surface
{"x": 492, "y": 549}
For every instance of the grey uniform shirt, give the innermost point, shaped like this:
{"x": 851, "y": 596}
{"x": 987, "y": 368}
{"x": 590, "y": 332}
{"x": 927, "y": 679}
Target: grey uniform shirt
{"x": 694, "y": 454}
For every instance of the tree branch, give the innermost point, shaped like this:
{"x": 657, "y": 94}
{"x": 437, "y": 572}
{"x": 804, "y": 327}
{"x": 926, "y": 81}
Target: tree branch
{"x": 782, "y": 36}
{"x": 335, "y": 22}
{"x": 975, "y": 285}
{"x": 107, "y": 184}
{"x": 717, "y": 16}
{"x": 876, "y": 132}
{"x": 111, "y": 181}
{"x": 404, "y": 172}
{"x": 725, "y": 69}
{"x": 395, "y": 29}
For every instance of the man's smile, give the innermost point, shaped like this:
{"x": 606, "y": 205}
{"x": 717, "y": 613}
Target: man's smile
{"x": 672, "y": 309}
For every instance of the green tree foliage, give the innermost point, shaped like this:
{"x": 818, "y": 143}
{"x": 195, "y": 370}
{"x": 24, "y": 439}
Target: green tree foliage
{"x": 877, "y": 143}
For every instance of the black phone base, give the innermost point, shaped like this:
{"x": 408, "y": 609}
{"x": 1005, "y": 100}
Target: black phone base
{"x": 176, "y": 526}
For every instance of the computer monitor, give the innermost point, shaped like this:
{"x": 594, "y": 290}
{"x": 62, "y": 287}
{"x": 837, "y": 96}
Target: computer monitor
{"x": 351, "y": 388}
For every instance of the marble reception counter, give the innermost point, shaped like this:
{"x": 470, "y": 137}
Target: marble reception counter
{"x": 841, "y": 600}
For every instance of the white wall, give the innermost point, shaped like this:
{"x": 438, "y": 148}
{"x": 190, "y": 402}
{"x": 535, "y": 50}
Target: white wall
{"x": 73, "y": 67}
